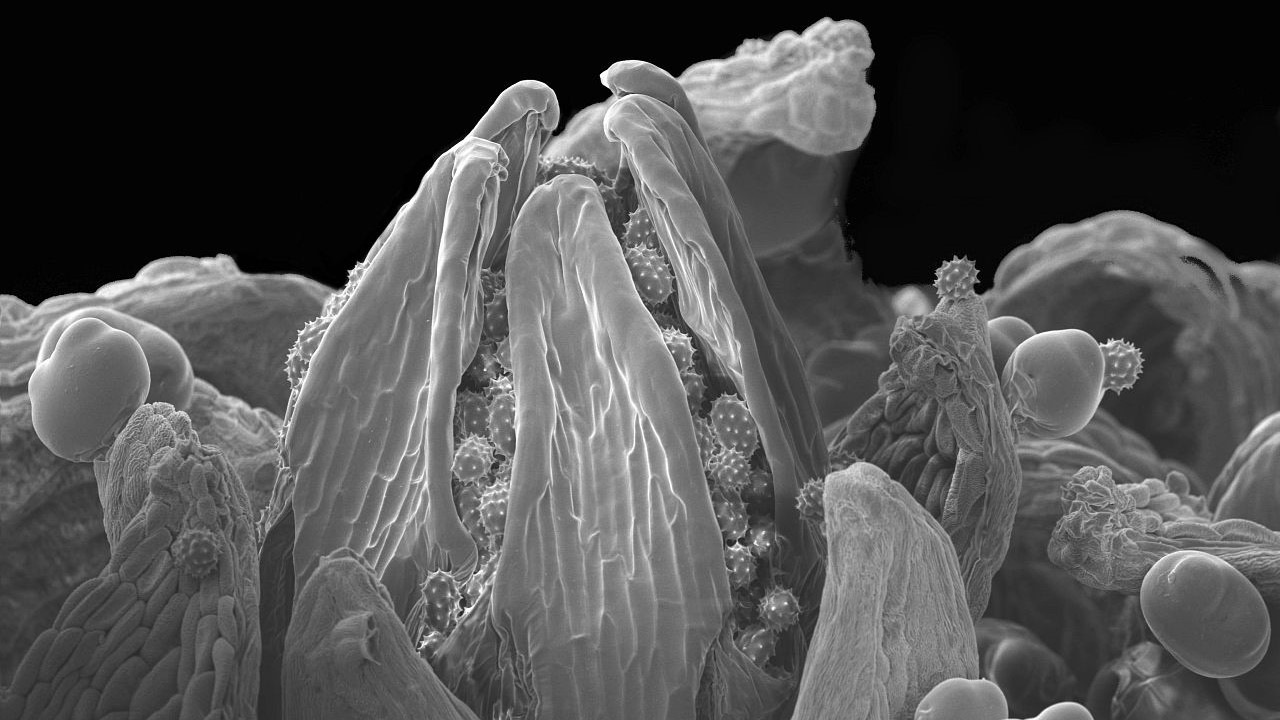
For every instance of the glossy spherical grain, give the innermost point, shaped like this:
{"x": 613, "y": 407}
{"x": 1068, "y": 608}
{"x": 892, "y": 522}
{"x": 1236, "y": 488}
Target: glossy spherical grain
{"x": 86, "y": 388}
{"x": 1206, "y": 614}
{"x": 1007, "y": 333}
{"x": 1064, "y": 711}
{"x": 171, "y": 377}
{"x": 1054, "y": 381}
{"x": 961, "y": 699}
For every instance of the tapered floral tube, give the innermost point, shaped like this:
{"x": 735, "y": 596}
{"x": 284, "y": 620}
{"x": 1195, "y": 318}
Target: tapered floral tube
{"x": 725, "y": 302}
{"x": 379, "y": 386}
{"x": 618, "y": 588}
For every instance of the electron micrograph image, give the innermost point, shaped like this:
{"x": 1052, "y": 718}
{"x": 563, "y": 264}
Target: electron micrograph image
{"x": 828, "y": 366}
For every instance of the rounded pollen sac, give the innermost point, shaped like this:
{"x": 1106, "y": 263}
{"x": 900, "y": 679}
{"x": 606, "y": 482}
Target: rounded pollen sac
{"x": 758, "y": 643}
{"x": 734, "y": 426}
{"x": 651, "y": 274}
{"x": 955, "y": 279}
{"x": 1007, "y": 333}
{"x": 196, "y": 551}
{"x": 87, "y": 388}
{"x": 729, "y": 470}
{"x": 741, "y": 565}
{"x": 172, "y": 380}
{"x": 964, "y": 698}
{"x": 1206, "y": 613}
{"x": 441, "y": 601}
{"x": 1123, "y": 364}
{"x": 471, "y": 414}
{"x": 472, "y": 458}
{"x": 640, "y": 231}
{"x": 493, "y": 509}
{"x": 681, "y": 347}
{"x": 779, "y": 609}
{"x": 1053, "y": 383}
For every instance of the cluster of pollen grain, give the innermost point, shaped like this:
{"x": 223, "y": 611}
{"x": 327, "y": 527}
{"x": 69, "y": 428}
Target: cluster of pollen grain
{"x": 694, "y": 388}
{"x": 741, "y": 565}
{"x": 640, "y": 231}
{"x": 956, "y": 279}
{"x": 472, "y": 458}
{"x": 731, "y": 513}
{"x": 650, "y": 273}
{"x": 493, "y": 509}
{"x": 757, "y": 643}
{"x": 441, "y": 601}
{"x": 729, "y": 470}
{"x": 762, "y": 538}
{"x": 734, "y": 426}
{"x": 502, "y": 417}
{"x": 471, "y": 414}
{"x": 809, "y": 501}
{"x": 196, "y": 551}
{"x": 1123, "y": 364}
{"x": 680, "y": 345}
{"x": 779, "y": 609}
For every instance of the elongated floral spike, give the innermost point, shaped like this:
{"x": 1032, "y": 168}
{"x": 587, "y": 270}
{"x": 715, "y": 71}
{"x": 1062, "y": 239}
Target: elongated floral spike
{"x": 1123, "y": 365}
{"x": 735, "y": 428}
{"x": 956, "y": 278}
{"x": 472, "y": 458}
{"x": 651, "y": 274}
{"x": 779, "y": 609}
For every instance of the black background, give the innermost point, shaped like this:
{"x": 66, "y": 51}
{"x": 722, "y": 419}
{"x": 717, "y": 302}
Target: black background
{"x": 289, "y": 145}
